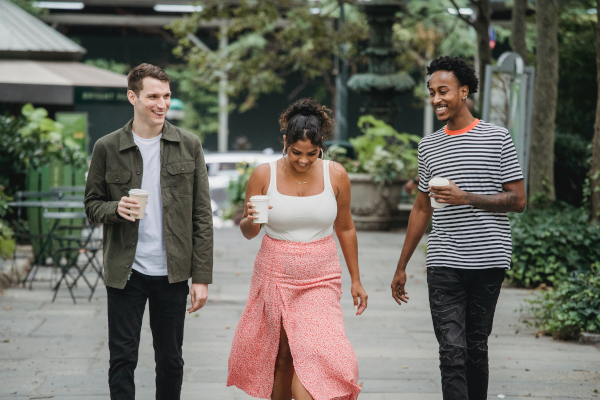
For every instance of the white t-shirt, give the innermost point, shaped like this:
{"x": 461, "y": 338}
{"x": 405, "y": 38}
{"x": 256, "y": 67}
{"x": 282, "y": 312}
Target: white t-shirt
{"x": 151, "y": 254}
{"x": 479, "y": 159}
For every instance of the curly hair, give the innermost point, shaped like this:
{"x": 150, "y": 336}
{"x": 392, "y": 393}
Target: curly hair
{"x": 306, "y": 119}
{"x": 461, "y": 70}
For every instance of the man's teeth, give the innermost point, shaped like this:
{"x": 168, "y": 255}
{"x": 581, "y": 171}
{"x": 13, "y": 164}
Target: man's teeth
{"x": 158, "y": 112}
{"x": 441, "y": 109}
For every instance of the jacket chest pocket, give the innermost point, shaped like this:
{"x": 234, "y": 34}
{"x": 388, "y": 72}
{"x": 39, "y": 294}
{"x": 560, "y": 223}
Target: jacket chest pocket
{"x": 181, "y": 177}
{"x": 117, "y": 183}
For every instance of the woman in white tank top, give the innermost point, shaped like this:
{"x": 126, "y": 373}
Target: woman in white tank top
{"x": 291, "y": 340}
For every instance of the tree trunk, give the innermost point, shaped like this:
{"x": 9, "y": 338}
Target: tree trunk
{"x": 482, "y": 27}
{"x": 519, "y": 28}
{"x": 595, "y": 169}
{"x": 541, "y": 163}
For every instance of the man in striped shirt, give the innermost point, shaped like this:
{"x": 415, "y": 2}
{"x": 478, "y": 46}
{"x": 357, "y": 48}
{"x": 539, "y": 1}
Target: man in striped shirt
{"x": 470, "y": 244}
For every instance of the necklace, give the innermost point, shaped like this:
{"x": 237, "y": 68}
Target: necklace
{"x": 297, "y": 181}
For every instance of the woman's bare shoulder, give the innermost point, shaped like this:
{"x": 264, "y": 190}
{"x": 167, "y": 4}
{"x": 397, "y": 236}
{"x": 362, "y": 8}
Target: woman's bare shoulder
{"x": 337, "y": 171}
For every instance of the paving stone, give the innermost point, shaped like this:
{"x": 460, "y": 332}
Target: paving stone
{"x": 60, "y": 349}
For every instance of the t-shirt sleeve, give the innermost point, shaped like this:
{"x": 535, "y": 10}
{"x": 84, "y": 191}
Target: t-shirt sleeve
{"x": 510, "y": 170}
{"x": 424, "y": 173}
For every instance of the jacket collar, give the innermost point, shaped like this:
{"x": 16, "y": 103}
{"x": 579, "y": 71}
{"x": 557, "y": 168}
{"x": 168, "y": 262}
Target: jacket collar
{"x": 169, "y": 133}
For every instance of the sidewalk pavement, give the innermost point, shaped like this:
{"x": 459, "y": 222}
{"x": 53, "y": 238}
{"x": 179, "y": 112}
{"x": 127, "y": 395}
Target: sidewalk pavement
{"x": 59, "y": 350}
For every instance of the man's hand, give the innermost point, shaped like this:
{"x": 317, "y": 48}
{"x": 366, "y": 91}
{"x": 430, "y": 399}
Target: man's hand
{"x": 398, "y": 282}
{"x": 199, "y": 295}
{"x": 125, "y": 208}
{"x": 448, "y": 194}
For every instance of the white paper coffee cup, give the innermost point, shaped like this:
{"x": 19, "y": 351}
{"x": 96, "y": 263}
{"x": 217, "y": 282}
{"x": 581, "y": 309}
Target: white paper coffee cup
{"x": 438, "y": 181}
{"x": 142, "y": 197}
{"x": 261, "y": 204}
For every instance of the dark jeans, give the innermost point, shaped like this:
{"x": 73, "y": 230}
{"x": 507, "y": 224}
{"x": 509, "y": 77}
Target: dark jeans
{"x": 462, "y": 303}
{"x": 167, "y": 314}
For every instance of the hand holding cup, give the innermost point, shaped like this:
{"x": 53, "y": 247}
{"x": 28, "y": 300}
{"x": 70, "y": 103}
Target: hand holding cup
{"x": 258, "y": 209}
{"x": 127, "y": 208}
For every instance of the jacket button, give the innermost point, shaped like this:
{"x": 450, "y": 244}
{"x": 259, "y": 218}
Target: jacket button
{"x": 182, "y": 168}
{"x": 138, "y": 172}
{"x": 117, "y": 179}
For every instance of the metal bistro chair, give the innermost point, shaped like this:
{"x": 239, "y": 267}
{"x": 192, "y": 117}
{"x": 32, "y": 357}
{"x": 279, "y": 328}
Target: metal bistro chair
{"x": 69, "y": 248}
{"x": 70, "y": 193}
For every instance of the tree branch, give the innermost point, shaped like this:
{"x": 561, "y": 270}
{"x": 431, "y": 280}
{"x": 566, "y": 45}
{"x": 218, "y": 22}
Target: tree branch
{"x": 459, "y": 14}
{"x": 297, "y": 90}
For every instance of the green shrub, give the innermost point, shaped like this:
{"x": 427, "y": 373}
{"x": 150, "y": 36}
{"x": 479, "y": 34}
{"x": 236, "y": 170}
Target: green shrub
{"x": 32, "y": 139}
{"x": 381, "y": 151}
{"x": 572, "y": 155}
{"x": 7, "y": 243}
{"x": 549, "y": 244}
{"x": 237, "y": 190}
{"x": 572, "y": 307}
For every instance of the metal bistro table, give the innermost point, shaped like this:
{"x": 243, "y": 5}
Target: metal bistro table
{"x": 45, "y": 239}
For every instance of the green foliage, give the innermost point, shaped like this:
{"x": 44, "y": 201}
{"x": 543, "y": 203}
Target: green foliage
{"x": 549, "y": 244}
{"x": 32, "y": 139}
{"x": 201, "y": 104}
{"x": 237, "y": 187}
{"x": 573, "y": 306}
{"x": 27, "y": 5}
{"x": 381, "y": 152}
{"x": 572, "y": 154}
{"x": 111, "y": 65}
{"x": 7, "y": 243}
{"x": 268, "y": 41}
{"x": 576, "y": 110}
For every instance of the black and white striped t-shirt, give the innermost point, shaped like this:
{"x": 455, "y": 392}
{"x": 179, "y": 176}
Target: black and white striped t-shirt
{"x": 479, "y": 159}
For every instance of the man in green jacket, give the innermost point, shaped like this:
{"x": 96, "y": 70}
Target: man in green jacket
{"x": 151, "y": 259}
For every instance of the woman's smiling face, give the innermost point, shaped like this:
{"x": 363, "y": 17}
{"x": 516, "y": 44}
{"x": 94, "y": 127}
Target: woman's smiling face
{"x": 302, "y": 154}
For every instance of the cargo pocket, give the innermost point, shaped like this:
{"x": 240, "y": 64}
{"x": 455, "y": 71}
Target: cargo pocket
{"x": 117, "y": 183}
{"x": 181, "y": 176}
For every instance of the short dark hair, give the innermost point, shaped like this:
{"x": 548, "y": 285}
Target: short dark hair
{"x": 461, "y": 70}
{"x": 137, "y": 75}
{"x": 306, "y": 119}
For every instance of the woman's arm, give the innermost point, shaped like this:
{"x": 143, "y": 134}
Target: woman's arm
{"x": 346, "y": 233}
{"x": 258, "y": 184}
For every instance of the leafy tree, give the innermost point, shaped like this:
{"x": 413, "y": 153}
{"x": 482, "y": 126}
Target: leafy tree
{"x": 270, "y": 40}
{"x": 111, "y": 65}
{"x": 200, "y": 102}
{"x": 481, "y": 24}
{"x": 545, "y": 96}
{"x": 595, "y": 169}
{"x": 425, "y": 31}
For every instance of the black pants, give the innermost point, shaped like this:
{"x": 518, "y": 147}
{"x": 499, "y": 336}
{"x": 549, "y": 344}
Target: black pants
{"x": 462, "y": 303}
{"x": 167, "y": 314}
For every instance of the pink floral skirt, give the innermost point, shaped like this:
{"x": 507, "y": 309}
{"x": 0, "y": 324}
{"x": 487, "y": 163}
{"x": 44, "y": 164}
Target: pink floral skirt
{"x": 300, "y": 284}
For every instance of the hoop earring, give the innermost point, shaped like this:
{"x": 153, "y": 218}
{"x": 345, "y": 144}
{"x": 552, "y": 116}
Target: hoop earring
{"x": 283, "y": 152}
{"x": 322, "y": 154}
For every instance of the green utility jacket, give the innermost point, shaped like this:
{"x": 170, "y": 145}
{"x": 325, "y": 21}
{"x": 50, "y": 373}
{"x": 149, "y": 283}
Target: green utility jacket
{"x": 117, "y": 167}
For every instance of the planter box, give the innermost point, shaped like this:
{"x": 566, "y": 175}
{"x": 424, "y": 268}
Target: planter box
{"x": 374, "y": 208}
{"x": 589, "y": 338}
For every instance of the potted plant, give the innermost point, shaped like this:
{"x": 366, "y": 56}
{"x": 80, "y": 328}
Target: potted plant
{"x": 385, "y": 161}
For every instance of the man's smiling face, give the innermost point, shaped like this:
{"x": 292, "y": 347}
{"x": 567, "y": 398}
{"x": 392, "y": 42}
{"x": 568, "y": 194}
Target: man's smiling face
{"x": 446, "y": 95}
{"x": 153, "y": 102}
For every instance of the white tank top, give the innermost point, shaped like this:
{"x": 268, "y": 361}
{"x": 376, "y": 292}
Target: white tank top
{"x": 301, "y": 218}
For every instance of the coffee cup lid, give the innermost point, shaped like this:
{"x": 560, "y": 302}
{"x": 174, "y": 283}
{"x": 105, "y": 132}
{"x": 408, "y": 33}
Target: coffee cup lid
{"x": 139, "y": 192}
{"x": 259, "y": 198}
{"x": 439, "y": 181}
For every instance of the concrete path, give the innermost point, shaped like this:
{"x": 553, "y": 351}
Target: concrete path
{"x": 59, "y": 350}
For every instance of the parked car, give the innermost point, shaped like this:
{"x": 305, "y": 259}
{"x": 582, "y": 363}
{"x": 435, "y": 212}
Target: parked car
{"x": 222, "y": 169}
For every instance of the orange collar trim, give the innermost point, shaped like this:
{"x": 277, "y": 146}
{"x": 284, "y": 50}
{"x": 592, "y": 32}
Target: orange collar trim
{"x": 463, "y": 130}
